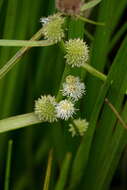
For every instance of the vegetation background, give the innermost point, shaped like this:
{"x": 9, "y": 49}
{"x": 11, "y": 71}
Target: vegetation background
{"x": 98, "y": 161}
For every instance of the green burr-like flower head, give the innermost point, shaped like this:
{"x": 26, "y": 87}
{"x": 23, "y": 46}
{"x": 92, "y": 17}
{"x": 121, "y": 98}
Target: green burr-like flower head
{"x": 45, "y": 108}
{"x": 53, "y": 28}
{"x": 77, "y": 52}
{"x": 78, "y": 127}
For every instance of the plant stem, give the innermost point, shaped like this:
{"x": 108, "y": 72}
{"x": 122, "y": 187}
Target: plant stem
{"x": 94, "y": 72}
{"x": 89, "y": 5}
{"x": 64, "y": 173}
{"x": 48, "y": 171}
{"x": 8, "y": 66}
{"x": 8, "y": 165}
{"x": 20, "y": 121}
{"x": 25, "y": 43}
{"x": 116, "y": 113}
{"x": 90, "y": 21}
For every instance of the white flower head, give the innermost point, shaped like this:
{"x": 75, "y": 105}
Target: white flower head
{"x": 53, "y": 28}
{"x": 77, "y": 52}
{"x": 79, "y": 127}
{"x": 65, "y": 109}
{"x": 45, "y": 108}
{"x": 73, "y": 88}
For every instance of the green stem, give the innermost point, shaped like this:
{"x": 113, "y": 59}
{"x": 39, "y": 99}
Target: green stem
{"x": 64, "y": 173}
{"x": 89, "y": 5}
{"x": 48, "y": 171}
{"x": 8, "y": 66}
{"x": 8, "y": 166}
{"x": 20, "y": 121}
{"x": 25, "y": 43}
{"x": 90, "y": 21}
{"x": 94, "y": 72}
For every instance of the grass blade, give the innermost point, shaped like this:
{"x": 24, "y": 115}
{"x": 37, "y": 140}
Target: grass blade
{"x": 48, "y": 172}
{"x": 11, "y": 63}
{"x": 13, "y": 123}
{"x": 24, "y": 43}
{"x": 116, "y": 95}
{"x": 90, "y": 4}
{"x": 64, "y": 173}
{"x": 8, "y": 166}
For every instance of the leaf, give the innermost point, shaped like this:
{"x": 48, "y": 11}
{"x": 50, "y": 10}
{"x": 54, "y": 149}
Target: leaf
{"x": 90, "y": 5}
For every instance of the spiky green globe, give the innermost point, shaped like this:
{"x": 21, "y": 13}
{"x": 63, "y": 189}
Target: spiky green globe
{"x": 45, "y": 108}
{"x": 53, "y": 28}
{"x": 78, "y": 127}
{"x": 77, "y": 52}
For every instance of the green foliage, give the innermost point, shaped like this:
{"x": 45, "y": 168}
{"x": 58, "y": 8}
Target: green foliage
{"x": 87, "y": 162}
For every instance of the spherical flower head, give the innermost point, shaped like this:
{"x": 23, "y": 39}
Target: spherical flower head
{"x": 77, "y": 52}
{"x": 45, "y": 108}
{"x": 73, "y": 88}
{"x": 53, "y": 28}
{"x": 65, "y": 109}
{"x": 79, "y": 127}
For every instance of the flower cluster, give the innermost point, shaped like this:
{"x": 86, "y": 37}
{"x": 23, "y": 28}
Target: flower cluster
{"x": 78, "y": 127}
{"x": 48, "y": 110}
{"x": 77, "y": 52}
{"x": 73, "y": 88}
{"x": 53, "y": 28}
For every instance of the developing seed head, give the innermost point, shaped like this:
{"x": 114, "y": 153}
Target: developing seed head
{"x": 79, "y": 127}
{"x": 73, "y": 88}
{"x": 45, "y": 108}
{"x": 77, "y": 52}
{"x": 65, "y": 109}
{"x": 53, "y": 28}
{"x": 69, "y": 6}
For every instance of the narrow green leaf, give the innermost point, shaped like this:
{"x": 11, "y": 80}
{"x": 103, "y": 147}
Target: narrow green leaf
{"x": 64, "y": 173}
{"x": 16, "y": 122}
{"x": 25, "y": 43}
{"x": 10, "y": 64}
{"x": 99, "y": 55}
{"x": 94, "y": 72}
{"x": 90, "y": 21}
{"x": 8, "y": 166}
{"x": 117, "y": 145}
{"x": 104, "y": 132}
{"x": 81, "y": 158}
{"x": 90, "y": 4}
{"x": 118, "y": 35}
{"x": 48, "y": 171}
